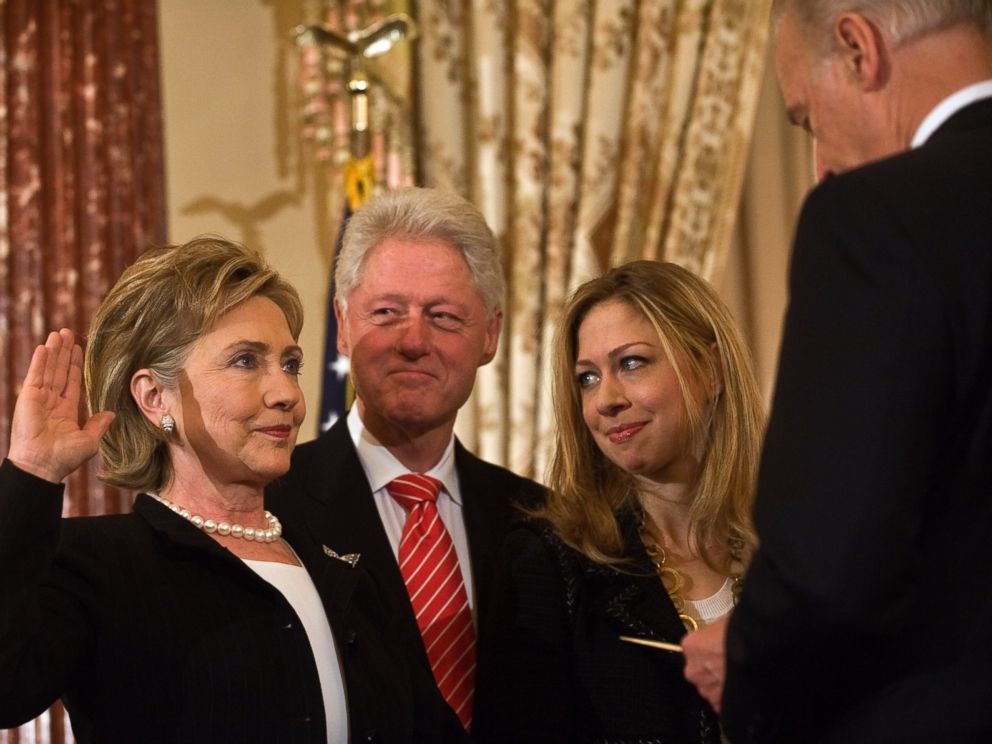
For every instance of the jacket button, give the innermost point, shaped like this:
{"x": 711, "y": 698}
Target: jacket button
{"x": 372, "y": 735}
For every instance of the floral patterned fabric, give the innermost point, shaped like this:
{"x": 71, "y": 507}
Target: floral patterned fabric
{"x": 82, "y": 185}
{"x": 589, "y": 134}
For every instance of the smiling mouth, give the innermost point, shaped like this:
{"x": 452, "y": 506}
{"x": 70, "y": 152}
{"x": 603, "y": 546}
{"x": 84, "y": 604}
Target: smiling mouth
{"x": 413, "y": 373}
{"x": 623, "y": 433}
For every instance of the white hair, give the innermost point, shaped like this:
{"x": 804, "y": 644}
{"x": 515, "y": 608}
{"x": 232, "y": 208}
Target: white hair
{"x": 420, "y": 215}
{"x": 899, "y": 20}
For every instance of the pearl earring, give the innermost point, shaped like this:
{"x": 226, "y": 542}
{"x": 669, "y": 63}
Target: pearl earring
{"x": 168, "y": 424}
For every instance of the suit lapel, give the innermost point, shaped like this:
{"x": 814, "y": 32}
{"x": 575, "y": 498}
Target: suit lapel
{"x": 484, "y": 512}
{"x": 335, "y": 581}
{"x": 340, "y": 512}
{"x": 635, "y": 599}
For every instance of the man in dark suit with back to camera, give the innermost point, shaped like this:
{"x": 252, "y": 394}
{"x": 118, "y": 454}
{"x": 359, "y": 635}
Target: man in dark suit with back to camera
{"x": 419, "y": 309}
{"x": 866, "y": 615}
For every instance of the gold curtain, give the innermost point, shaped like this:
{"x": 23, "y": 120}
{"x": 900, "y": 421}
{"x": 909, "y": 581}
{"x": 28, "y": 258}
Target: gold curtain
{"x": 778, "y": 176}
{"x": 589, "y": 134}
{"x": 81, "y": 193}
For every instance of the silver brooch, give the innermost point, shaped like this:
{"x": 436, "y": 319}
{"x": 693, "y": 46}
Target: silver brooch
{"x": 350, "y": 558}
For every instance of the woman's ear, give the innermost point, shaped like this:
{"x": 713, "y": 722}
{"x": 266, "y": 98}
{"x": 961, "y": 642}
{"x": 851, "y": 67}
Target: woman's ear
{"x": 151, "y": 396}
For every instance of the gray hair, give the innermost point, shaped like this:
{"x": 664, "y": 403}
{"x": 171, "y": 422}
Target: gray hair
{"x": 421, "y": 215}
{"x": 899, "y": 20}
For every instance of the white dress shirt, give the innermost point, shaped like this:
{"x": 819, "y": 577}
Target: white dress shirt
{"x": 950, "y": 106}
{"x": 381, "y": 466}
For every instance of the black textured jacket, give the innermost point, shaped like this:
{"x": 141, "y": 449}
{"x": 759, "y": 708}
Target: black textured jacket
{"x": 553, "y": 668}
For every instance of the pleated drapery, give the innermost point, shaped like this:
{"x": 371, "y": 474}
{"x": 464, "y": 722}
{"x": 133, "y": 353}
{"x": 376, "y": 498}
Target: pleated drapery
{"x": 589, "y": 133}
{"x": 81, "y": 193}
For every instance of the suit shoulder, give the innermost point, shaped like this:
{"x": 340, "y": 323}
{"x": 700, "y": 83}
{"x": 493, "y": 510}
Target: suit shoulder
{"x": 499, "y": 477}
{"x": 329, "y": 450}
{"x": 106, "y": 537}
{"x": 306, "y": 451}
{"x": 108, "y": 525}
{"x": 947, "y": 177}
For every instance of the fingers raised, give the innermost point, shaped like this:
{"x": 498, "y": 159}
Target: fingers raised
{"x": 64, "y": 362}
{"x": 74, "y": 383}
{"x": 38, "y": 367}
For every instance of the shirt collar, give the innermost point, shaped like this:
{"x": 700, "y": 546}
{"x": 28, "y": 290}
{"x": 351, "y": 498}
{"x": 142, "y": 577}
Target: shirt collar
{"x": 381, "y": 466}
{"x": 950, "y": 106}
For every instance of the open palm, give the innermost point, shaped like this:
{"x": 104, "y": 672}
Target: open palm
{"x": 46, "y": 438}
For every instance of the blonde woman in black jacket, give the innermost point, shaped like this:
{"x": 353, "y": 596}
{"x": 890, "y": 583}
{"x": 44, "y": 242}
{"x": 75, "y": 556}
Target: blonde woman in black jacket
{"x": 646, "y": 531}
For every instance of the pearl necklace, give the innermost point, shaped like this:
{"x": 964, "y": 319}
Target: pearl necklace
{"x": 270, "y": 534}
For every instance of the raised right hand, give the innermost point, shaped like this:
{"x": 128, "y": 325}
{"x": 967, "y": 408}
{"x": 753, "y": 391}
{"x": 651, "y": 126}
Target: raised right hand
{"x": 45, "y": 436}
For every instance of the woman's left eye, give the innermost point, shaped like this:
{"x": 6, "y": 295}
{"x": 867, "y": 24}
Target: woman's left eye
{"x": 586, "y": 379}
{"x": 632, "y": 363}
{"x": 293, "y": 366}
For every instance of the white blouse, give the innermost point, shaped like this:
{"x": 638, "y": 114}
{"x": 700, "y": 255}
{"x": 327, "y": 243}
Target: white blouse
{"x": 297, "y": 587}
{"x": 705, "y": 611}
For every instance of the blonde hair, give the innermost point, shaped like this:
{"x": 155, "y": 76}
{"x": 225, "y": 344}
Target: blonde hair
{"x": 587, "y": 490}
{"x": 161, "y": 305}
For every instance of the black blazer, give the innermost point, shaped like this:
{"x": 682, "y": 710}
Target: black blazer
{"x": 867, "y": 612}
{"x": 151, "y": 631}
{"x": 326, "y": 499}
{"x": 552, "y": 667}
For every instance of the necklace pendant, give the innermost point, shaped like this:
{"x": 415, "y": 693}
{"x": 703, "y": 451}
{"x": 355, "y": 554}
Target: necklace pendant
{"x": 689, "y": 622}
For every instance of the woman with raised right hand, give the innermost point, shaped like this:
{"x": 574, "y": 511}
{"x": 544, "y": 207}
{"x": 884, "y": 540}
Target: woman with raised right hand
{"x": 190, "y": 619}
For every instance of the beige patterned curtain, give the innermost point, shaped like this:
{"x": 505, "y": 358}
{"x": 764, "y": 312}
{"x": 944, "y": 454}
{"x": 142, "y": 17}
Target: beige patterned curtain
{"x": 589, "y": 133}
{"x": 81, "y": 193}
{"x": 779, "y": 174}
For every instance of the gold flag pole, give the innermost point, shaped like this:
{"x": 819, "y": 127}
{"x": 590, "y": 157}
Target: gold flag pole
{"x": 358, "y": 171}
{"x": 359, "y": 45}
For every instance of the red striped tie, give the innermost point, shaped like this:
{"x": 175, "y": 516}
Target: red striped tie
{"x": 429, "y": 566}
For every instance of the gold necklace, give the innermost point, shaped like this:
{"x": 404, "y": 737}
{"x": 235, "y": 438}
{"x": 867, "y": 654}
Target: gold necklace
{"x": 671, "y": 578}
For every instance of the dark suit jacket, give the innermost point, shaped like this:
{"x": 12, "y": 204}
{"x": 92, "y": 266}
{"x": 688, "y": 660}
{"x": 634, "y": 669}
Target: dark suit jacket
{"x": 326, "y": 499}
{"x": 867, "y": 612}
{"x": 153, "y": 632}
{"x": 553, "y": 668}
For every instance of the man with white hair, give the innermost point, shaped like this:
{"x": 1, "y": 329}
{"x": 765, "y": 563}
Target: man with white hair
{"x": 866, "y": 615}
{"x": 419, "y": 307}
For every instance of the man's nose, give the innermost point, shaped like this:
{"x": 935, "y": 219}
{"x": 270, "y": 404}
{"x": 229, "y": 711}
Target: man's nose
{"x": 414, "y": 337}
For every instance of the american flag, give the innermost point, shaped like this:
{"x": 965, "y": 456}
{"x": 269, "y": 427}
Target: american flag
{"x": 335, "y": 395}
